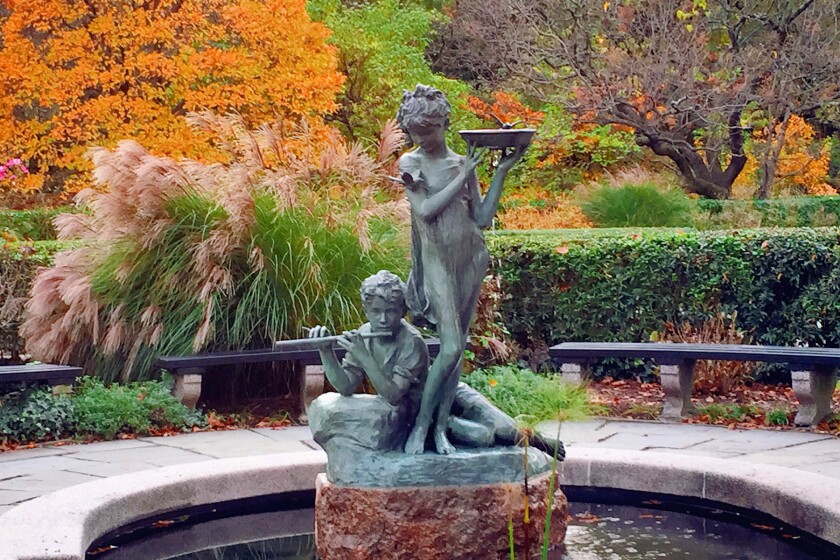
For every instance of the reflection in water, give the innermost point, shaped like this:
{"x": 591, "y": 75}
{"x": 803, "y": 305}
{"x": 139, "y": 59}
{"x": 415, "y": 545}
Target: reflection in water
{"x": 596, "y": 532}
{"x": 606, "y": 532}
{"x": 299, "y": 547}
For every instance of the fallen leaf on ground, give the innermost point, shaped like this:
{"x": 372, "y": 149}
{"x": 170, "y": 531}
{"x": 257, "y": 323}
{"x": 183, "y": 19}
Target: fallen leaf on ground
{"x": 587, "y": 518}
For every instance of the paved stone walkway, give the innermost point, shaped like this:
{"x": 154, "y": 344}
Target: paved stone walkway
{"x": 29, "y": 473}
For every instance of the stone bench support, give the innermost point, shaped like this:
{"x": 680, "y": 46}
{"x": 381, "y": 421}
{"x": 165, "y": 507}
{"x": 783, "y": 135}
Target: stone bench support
{"x": 187, "y": 387}
{"x": 814, "y": 387}
{"x": 677, "y": 383}
{"x": 575, "y": 372}
{"x": 314, "y": 381}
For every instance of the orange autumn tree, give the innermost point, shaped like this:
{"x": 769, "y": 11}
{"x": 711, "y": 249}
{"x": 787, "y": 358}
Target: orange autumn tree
{"x": 76, "y": 74}
{"x": 561, "y": 143}
{"x": 802, "y": 163}
{"x": 506, "y": 108}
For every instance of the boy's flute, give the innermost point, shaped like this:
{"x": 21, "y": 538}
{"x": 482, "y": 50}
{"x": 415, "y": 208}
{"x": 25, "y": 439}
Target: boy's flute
{"x": 304, "y": 342}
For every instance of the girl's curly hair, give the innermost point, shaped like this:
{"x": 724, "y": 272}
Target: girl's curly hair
{"x": 420, "y": 105}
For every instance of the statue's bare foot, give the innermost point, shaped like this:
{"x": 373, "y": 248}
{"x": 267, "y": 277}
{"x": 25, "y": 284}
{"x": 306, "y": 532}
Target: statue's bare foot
{"x": 442, "y": 443}
{"x": 416, "y": 441}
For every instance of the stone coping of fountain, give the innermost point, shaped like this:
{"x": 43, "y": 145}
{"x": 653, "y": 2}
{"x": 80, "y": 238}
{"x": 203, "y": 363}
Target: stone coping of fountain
{"x": 62, "y": 525}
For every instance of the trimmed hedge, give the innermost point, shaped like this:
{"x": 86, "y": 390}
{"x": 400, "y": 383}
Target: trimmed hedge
{"x": 622, "y": 285}
{"x": 794, "y": 211}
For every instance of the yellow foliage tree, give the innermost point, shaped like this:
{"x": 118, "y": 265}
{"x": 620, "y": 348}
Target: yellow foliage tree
{"x": 802, "y": 167}
{"x": 74, "y": 74}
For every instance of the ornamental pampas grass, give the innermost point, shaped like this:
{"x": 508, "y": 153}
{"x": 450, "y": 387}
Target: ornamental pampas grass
{"x": 183, "y": 256}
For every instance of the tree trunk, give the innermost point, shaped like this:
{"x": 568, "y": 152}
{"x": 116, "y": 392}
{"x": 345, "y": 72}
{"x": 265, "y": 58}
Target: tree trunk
{"x": 775, "y": 143}
{"x": 707, "y": 181}
{"x": 706, "y": 178}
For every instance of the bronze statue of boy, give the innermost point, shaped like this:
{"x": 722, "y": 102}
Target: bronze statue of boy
{"x": 393, "y": 356}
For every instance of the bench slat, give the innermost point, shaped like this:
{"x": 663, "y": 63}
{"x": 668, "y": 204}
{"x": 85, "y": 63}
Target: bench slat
{"x": 668, "y": 352}
{"x": 308, "y": 357}
{"x": 39, "y": 372}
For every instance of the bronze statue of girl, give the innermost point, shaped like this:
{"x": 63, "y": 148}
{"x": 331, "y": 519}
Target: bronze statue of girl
{"x": 449, "y": 257}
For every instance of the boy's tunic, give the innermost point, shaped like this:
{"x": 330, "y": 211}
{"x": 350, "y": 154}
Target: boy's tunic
{"x": 370, "y": 420}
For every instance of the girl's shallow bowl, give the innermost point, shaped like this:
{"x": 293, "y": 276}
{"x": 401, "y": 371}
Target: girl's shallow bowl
{"x": 498, "y": 138}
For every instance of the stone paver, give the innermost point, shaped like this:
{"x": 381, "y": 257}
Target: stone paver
{"x": 220, "y": 445}
{"x": 11, "y": 497}
{"x": 755, "y": 441}
{"x": 825, "y": 469}
{"x": 819, "y": 451}
{"x": 29, "y": 473}
{"x": 46, "y": 481}
{"x": 99, "y": 469}
{"x": 161, "y": 455}
{"x": 56, "y": 463}
{"x": 28, "y": 454}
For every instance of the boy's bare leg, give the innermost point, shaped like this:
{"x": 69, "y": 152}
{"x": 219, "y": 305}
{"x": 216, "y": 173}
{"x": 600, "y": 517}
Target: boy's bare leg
{"x": 469, "y": 432}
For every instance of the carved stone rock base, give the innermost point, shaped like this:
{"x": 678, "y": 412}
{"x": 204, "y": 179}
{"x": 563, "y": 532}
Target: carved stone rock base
{"x": 355, "y": 466}
{"x": 433, "y": 523}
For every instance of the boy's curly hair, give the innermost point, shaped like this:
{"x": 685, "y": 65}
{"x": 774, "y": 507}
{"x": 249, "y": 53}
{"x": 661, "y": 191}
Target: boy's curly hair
{"x": 386, "y": 285}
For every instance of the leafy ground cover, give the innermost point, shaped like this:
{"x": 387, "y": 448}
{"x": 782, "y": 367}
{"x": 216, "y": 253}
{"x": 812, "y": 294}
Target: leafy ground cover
{"x": 749, "y": 406}
{"x": 91, "y": 411}
{"x": 213, "y": 422}
{"x": 521, "y": 393}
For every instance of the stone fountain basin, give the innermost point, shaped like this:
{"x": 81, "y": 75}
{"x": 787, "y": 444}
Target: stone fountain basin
{"x": 62, "y": 525}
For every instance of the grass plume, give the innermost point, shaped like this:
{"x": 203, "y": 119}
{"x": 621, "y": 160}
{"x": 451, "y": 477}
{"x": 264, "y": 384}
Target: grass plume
{"x": 182, "y": 257}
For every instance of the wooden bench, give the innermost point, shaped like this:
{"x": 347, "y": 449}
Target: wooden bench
{"x": 49, "y": 373}
{"x": 188, "y": 370}
{"x": 814, "y": 370}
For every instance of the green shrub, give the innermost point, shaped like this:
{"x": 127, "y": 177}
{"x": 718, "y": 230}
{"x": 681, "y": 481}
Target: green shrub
{"x": 641, "y": 205}
{"x": 729, "y": 412}
{"x": 136, "y": 408}
{"x": 777, "y": 417}
{"x": 521, "y": 392}
{"x": 622, "y": 286}
{"x": 19, "y": 263}
{"x": 834, "y": 163}
{"x": 30, "y": 413}
{"x": 34, "y": 224}
{"x": 303, "y": 256}
{"x": 34, "y": 413}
